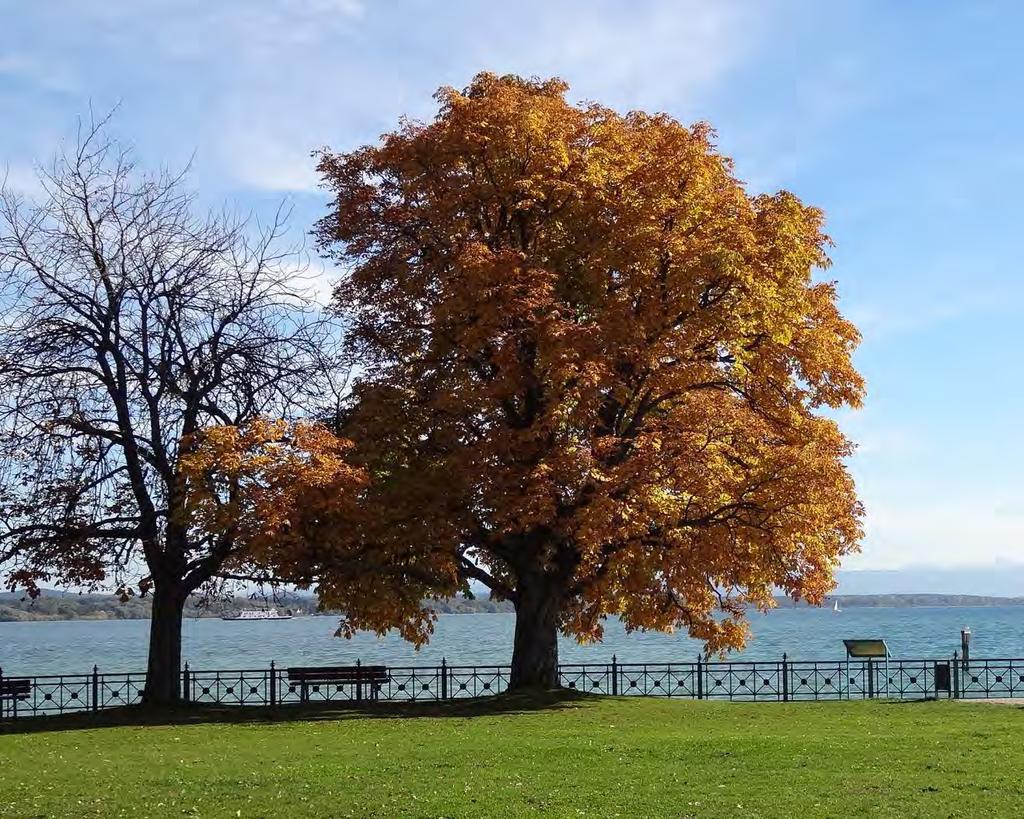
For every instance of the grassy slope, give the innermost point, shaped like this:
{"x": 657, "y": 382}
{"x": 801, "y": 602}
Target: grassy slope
{"x": 607, "y": 757}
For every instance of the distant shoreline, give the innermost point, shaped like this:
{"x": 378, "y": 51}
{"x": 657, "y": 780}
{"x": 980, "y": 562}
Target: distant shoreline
{"x": 57, "y": 606}
{"x": 912, "y": 601}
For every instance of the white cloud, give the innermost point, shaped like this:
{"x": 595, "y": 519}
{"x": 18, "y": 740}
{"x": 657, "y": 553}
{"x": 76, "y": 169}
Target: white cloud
{"x": 45, "y": 75}
{"x": 903, "y": 309}
{"x": 798, "y": 133}
{"x": 313, "y": 277}
{"x": 273, "y": 24}
{"x": 657, "y": 56}
{"x": 259, "y": 159}
{"x": 21, "y": 179}
{"x": 888, "y": 319}
{"x": 886, "y": 441}
{"x": 260, "y": 83}
{"x": 233, "y": 29}
{"x": 944, "y": 525}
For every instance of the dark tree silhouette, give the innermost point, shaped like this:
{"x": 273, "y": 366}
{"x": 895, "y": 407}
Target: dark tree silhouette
{"x": 129, "y": 323}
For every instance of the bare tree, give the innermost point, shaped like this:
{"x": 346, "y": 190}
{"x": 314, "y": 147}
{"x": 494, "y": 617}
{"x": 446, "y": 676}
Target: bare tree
{"x": 128, "y": 323}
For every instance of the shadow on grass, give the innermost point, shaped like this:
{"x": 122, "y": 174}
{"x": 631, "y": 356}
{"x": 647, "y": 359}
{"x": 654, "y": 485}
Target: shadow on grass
{"x": 1005, "y": 702}
{"x": 893, "y": 701}
{"x": 201, "y": 714}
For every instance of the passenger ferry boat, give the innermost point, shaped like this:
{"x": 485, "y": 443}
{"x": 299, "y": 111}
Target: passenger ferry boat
{"x": 258, "y": 614}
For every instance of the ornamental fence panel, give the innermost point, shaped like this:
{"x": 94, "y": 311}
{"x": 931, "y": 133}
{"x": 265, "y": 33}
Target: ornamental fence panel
{"x": 989, "y": 679}
{"x": 782, "y": 681}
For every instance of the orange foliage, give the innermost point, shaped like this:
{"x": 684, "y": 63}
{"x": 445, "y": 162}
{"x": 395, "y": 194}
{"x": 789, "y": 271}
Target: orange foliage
{"x": 262, "y": 489}
{"x": 590, "y": 361}
{"x": 286, "y": 502}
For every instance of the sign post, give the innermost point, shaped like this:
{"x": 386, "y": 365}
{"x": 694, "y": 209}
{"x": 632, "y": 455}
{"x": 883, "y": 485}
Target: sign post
{"x": 869, "y": 650}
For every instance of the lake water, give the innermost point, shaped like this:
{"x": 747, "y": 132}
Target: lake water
{"x": 481, "y": 639}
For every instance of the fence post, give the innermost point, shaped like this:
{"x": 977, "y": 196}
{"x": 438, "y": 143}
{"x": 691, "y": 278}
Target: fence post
{"x": 785, "y": 678}
{"x": 615, "y": 675}
{"x": 871, "y": 678}
{"x": 700, "y": 678}
{"x": 95, "y": 688}
{"x": 186, "y": 693}
{"x": 14, "y": 700}
{"x": 273, "y": 684}
{"x": 444, "y": 679}
{"x": 956, "y": 676}
{"x": 359, "y": 681}
{"x": 2, "y": 699}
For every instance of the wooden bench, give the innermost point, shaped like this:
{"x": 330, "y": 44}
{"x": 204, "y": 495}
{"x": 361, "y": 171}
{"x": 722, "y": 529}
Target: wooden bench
{"x": 14, "y": 691}
{"x": 366, "y": 678}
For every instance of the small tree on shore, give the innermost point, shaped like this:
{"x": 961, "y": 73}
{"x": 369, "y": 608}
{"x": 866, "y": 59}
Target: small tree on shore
{"x": 592, "y": 368}
{"x": 128, "y": 325}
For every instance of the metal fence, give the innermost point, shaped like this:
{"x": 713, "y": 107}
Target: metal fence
{"x": 785, "y": 680}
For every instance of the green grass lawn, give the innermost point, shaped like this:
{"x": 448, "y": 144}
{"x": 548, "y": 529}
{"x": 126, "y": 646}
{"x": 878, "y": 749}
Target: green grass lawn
{"x": 562, "y": 757}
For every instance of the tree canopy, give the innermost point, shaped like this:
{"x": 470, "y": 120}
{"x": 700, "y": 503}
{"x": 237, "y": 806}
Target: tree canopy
{"x": 594, "y": 374}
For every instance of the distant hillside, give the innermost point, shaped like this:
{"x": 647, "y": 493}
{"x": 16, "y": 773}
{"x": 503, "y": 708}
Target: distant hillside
{"x": 907, "y": 601}
{"x": 55, "y": 605}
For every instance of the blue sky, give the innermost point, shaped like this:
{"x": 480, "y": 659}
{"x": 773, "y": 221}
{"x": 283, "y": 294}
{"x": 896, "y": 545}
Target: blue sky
{"x": 902, "y": 120}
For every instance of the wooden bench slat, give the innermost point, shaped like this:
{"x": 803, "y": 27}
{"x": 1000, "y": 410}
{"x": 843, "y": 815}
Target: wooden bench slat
{"x": 322, "y": 674}
{"x": 366, "y": 673}
{"x": 300, "y": 669}
{"x": 15, "y": 689}
{"x": 363, "y": 672}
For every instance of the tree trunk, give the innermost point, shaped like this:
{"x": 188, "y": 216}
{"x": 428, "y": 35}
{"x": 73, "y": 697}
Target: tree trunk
{"x": 535, "y": 653}
{"x": 163, "y": 675}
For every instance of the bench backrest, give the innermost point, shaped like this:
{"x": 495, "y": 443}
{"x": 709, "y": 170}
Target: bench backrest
{"x": 15, "y": 689}
{"x": 340, "y": 674}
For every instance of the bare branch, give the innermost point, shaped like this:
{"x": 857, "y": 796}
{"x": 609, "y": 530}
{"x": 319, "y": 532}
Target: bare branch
{"x": 129, "y": 324}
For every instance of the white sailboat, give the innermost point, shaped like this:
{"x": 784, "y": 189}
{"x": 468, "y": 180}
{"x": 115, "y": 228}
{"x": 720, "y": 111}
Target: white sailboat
{"x": 257, "y": 614}
{"x": 835, "y": 607}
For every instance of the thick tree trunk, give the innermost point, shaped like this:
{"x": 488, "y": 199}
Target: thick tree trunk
{"x": 535, "y": 652}
{"x": 163, "y": 675}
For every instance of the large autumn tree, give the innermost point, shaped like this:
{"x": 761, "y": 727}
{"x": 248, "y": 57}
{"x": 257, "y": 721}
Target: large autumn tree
{"x": 130, "y": 324}
{"x": 593, "y": 369}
